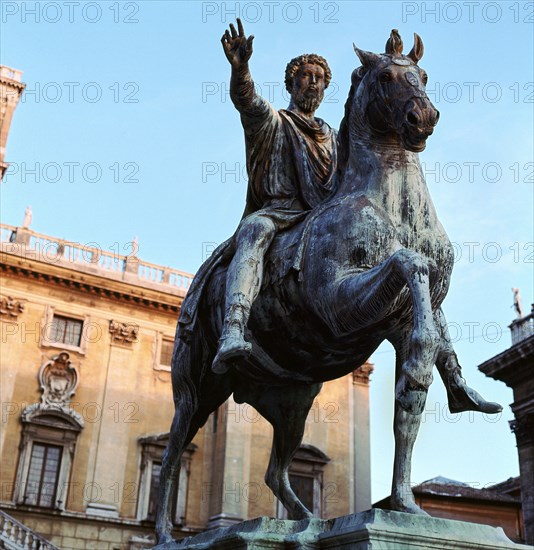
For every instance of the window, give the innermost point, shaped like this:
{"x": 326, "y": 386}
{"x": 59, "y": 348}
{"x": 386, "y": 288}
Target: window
{"x": 66, "y": 331}
{"x": 163, "y": 350}
{"x": 47, "y": 450}
{"x": 167, "y": 347}
{"x": 43, "y": 473}
{"x": 154, "y": 492}
{"x": 152, "y": 452}
{"x": 306, "y": 479}
{"x": 303, "y": 486}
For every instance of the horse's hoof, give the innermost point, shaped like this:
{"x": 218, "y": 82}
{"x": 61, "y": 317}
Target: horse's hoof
{"x": 408, "y": 508}
{"x": 298, "y": 516}
{"x": 463, "y": 398}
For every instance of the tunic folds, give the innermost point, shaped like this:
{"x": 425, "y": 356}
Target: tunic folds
{"x": 291, "y": 164}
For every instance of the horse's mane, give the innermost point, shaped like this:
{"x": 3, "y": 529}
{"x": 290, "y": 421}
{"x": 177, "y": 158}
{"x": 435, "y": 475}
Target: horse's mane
{"x": 343, "y": 145}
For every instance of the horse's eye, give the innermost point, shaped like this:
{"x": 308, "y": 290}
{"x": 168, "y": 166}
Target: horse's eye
{"x": 386, "y": 76}
{"x": 424, "y": 78}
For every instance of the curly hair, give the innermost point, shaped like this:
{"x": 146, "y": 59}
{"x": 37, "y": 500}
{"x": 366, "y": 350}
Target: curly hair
{"x": 308, "y": 58}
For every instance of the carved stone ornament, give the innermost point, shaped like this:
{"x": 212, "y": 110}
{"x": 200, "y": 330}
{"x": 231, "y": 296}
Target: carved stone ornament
{"x": 362, "y": 374}
{"x": 58, "y": 380}
{"x": 10, "y": 307}
{"x": 523, "y": 428}
{"x": 36, "y": 410}
{"x": 123, "y": 333}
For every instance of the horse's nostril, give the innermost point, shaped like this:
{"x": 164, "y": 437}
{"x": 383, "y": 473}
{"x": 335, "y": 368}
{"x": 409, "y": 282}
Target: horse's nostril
{"x": 437, "y": 116}
{"x": 412, "y": 118}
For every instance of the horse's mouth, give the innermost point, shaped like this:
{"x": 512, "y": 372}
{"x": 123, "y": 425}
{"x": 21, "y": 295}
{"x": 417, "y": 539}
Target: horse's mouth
{"x": 414, "y": 141}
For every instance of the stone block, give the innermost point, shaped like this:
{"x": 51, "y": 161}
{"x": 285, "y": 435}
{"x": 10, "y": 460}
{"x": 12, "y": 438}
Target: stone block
{"x": 373, "y": 529}
{"x": 87, "y": 531}
{"x": 72, "y": 543}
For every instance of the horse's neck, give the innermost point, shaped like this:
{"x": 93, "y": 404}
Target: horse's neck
{"x": 392, "y": 178}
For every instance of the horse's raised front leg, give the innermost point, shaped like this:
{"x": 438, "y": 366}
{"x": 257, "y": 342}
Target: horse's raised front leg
{"x": 406, "y": 428}
{"x": 460, "y": 396}
{"x": 286, "y": 408}
{"x": 366, "y": 299}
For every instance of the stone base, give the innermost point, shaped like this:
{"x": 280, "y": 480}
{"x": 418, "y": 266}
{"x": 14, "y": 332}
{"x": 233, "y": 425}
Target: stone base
{"x": 374, "y": 529}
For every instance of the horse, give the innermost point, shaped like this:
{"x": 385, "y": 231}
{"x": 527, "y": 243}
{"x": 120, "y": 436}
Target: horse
{"x": 372, "y": 263}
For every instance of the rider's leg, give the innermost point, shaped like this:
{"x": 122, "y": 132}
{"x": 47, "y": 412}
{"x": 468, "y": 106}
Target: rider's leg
{"x": 243, "y": 283}
{"x": 461, "y": 397}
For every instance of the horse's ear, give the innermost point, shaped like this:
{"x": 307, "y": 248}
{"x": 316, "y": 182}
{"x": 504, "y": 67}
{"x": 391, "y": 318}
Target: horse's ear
{"x": 416, "y": 53}
{"x": 368, "y": 59}
{"x": 394, "y": 44}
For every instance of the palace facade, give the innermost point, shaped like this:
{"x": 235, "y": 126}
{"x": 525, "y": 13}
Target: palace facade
{"x": 87, "y": 338}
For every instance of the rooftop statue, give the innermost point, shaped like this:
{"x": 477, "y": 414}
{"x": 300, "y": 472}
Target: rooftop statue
{"x": 517, "y": 303}
{"x": 339, "y": 249}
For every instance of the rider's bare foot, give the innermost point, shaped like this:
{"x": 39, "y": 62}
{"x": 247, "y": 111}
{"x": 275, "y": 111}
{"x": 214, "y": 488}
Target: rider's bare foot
{"x": 232, "y": 347}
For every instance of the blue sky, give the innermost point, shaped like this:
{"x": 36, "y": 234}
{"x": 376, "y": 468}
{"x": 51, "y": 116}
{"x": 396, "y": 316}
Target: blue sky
{"x": 128, "y": 122}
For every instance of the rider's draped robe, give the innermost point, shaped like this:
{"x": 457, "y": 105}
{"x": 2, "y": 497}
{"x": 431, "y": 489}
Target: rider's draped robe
{"x": 291, "y": 164}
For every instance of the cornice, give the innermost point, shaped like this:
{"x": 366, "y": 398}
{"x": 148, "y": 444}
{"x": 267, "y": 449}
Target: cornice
{"x": 514, "y": 365}
{"x": 14, "y": 83}
{"x": 12, "y": 266}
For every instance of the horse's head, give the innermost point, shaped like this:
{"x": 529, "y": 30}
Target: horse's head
{"x": 390, "y": 92}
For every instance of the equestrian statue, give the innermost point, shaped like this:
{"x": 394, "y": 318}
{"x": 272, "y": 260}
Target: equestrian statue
{"x": 339, "y": 249}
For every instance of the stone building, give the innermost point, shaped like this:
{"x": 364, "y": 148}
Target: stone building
{"x": 87, "y": 338}
{"x": 496, "y": 505}
{"x": 11, "y": 88}
{"x": 515, "y": 367}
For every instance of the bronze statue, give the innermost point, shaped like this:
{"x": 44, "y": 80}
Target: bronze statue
{"x": 371, "y": 262}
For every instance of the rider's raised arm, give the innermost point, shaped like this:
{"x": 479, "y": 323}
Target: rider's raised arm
{"x": 238, "y": 49}
{"x": 243, "y": 93}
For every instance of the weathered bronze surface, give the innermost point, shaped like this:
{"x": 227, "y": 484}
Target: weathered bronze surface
{"x": 340, "y": 248}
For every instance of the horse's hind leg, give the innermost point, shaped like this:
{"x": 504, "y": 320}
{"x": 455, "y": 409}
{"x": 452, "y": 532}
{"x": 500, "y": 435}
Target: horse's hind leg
{"x": 286, "y": 408}
{"x": 192, "y": 406}
{"x": 170, "y": 468}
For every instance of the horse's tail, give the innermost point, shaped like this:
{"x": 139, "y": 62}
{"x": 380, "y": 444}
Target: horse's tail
{"x": 190, "y": 363}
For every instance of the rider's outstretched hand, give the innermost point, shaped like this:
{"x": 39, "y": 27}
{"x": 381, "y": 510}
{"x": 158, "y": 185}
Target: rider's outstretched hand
{"x": 237, "y": 47}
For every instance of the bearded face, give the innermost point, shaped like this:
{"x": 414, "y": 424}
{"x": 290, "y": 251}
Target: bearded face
{"x": 308, "y": 88}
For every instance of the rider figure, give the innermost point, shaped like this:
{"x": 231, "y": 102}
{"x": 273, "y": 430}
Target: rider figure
{"x": 291, "y": 162}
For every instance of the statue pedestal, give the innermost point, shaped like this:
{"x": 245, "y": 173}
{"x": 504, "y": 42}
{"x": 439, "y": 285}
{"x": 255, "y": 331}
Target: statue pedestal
{"x": 376, "y": 529}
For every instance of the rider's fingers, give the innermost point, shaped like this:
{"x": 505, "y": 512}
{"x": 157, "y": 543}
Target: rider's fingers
{"x": 234, "y": 32}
